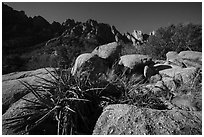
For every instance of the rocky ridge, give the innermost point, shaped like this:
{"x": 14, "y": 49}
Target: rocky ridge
{"x": 31, "y": 40}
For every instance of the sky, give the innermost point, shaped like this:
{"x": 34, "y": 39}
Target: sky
{"x": 125, "y": 16}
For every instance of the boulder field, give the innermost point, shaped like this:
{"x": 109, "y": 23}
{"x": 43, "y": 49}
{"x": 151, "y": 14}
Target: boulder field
{"x": 182, "y": 114}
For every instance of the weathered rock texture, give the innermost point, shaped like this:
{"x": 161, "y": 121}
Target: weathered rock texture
{"x": 191, "y": 55}
{"x": 90, "y": 64}
{"x": 121, "y": 119}
{"x": 182, "y": 74}
{"x": 110, "y": 51}
{"x": 13, "y": 90}
{"x": 16, "y": 110}
{"x": 134, "y": 60}
{"x": 80, "y": 60}
{"x": 185, "y": 58}
{"x": 135, "y": 63}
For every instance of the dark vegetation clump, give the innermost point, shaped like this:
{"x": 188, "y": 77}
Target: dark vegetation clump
{"x": 69, "y": 105}
{"x": 177, "y": 38}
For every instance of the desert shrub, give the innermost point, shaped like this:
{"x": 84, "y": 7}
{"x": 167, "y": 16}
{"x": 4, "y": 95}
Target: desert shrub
{"x": 129, "y": 49}
{"x": 70, "y": 47}
{"x": 41, "y": 61}
{"x": 89, "y": 45}
{"x": 135, "y": 93}
{"x": 133, "y": 90}
{"x": 177, "y": 38}
{"x": 70, "y": 105}
{"x": 13, "y": 63}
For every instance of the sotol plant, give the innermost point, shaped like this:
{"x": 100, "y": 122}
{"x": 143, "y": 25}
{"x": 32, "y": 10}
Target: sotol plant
{"x": 70, "y": 102}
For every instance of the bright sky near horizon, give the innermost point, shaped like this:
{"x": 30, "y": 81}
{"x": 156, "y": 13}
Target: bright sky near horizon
{"x": 125, "y": 16}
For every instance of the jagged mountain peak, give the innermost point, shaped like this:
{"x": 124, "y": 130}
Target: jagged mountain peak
{"x": 92, "y": 22}
{"x": 88, "y": 29}
{"x": 68, "y": 22}
{"x": 40, "y": 21}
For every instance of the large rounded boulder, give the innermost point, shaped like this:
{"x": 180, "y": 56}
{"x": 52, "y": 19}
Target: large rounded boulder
{"x": 171, "y": 55}
{"x": 172, "y": 58}
{"x": 80, "y": 60}
{"x": 123, "y": 119}
{"x": 182, "y": 74}
{"x": 90, "y": 63}
{"x": 184, "y": 59}
{"x": 110, "y": 52}
{"x": 135, "y": 63}
{"x": 191, "y": 58}
{"x": 191, "y": 55}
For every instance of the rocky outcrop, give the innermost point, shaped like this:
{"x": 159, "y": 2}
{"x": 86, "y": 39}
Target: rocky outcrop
{"x": 185, "y": 59}
{"x": 191, "y": 58}
{"x": 90, "y": 29}
{"x": 172, "y": 58}
{"x": 173, "y": 86}
{"x": 13, "y": 90}
{"x": 135, "y": 63}
{"x": 122, "y": 119}
{"x": 191, "y": 55}
{"x": 186, "y": 102}
{"x": 191, "y": 63}
{"x": 182, "y": 74}
{"x": 133, "y": 39}
{"x": 171, "y": 55}
{"x": 137, "y": 37}
{"x": 133, "y": 60}
{"x": 171, "y": 79}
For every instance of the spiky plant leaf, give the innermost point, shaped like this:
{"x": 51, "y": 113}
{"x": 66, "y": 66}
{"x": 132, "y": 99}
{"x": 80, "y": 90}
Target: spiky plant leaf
{"x": 45, "y": 81}
{"x": 46, "y": 101}
{"x": 69, "y": 109}
{"x": 53, "y": 76}
{"x": 19, "y": 117}
{"x": 34, "y": 102}
{"x": 33, "y": 90}
{"x": 34, "y": 107}
{"x": 74, "y": 99}
{"x": 46, "y": 115}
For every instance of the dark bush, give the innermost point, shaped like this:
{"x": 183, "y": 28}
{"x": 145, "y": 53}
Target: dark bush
{"x": 174, "y": 38}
